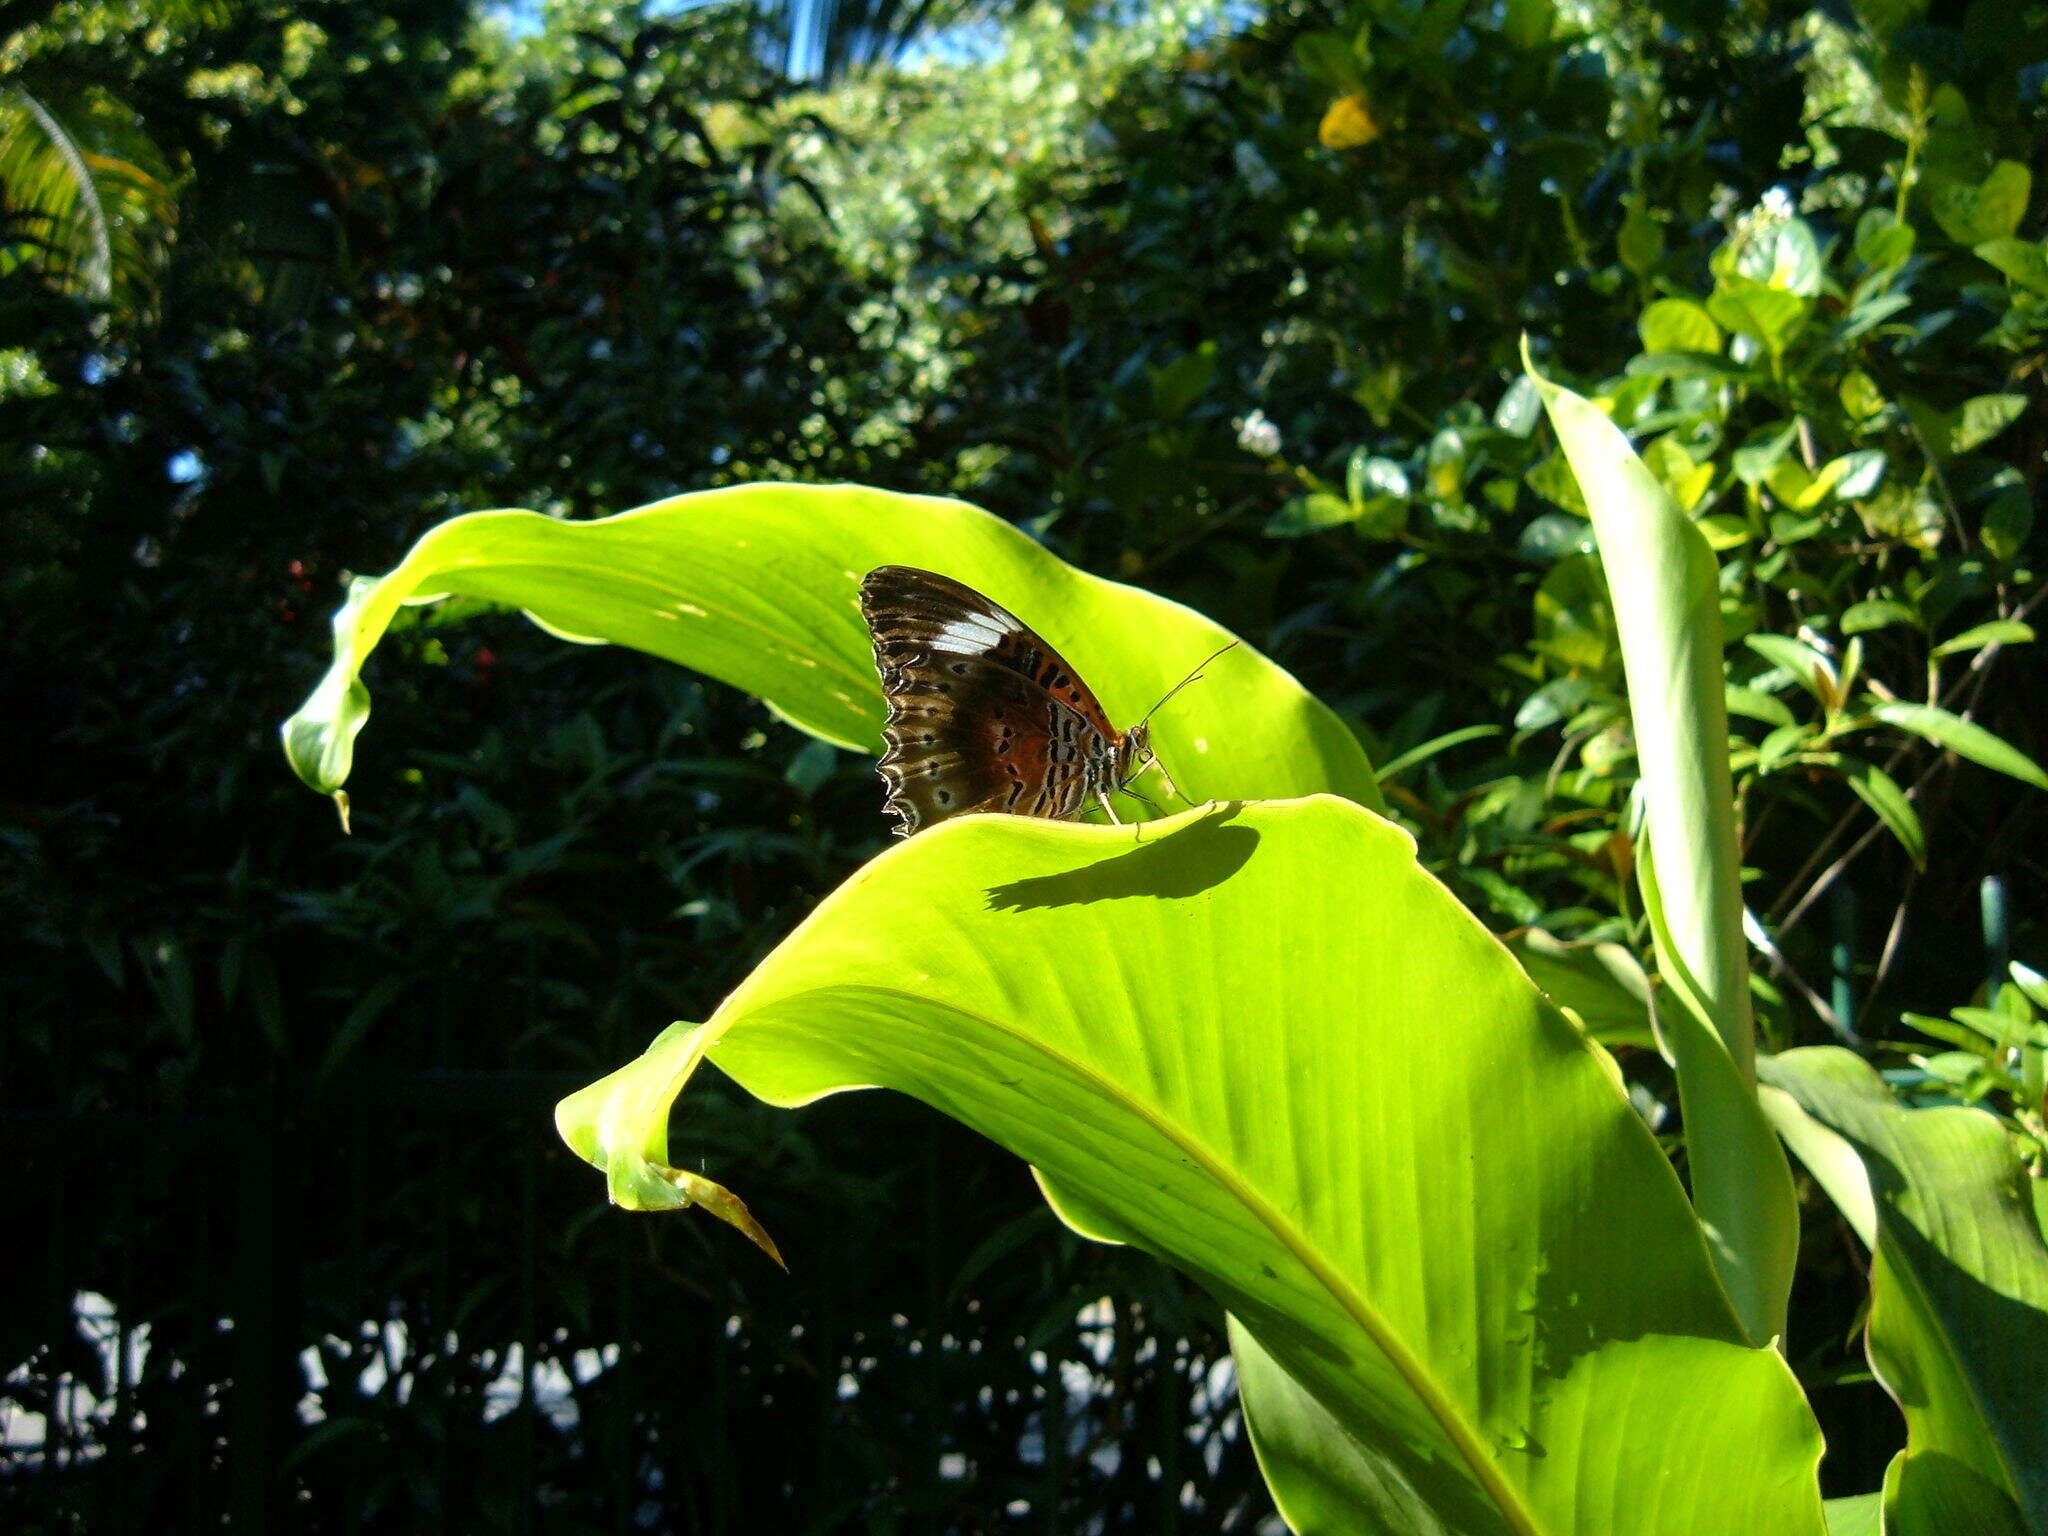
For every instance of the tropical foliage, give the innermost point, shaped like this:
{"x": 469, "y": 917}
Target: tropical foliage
{"x": 1223, "y": 305}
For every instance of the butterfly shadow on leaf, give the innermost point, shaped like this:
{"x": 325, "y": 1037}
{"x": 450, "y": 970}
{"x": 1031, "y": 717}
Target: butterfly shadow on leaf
{"x": 1183, "y": 863}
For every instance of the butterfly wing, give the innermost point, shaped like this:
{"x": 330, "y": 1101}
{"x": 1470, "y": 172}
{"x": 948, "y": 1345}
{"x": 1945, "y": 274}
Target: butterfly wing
{"x": 983, "y": 714}
{"x": 909, "y": 610}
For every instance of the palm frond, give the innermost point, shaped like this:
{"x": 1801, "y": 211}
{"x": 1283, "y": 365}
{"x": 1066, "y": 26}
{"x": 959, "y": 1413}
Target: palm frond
{"x": 86, "y": 197}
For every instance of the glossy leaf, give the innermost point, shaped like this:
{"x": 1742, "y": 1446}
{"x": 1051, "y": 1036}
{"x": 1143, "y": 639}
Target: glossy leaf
{"x": 1678, "y": 325}
{"x": 1811, "y": 670}
{"x": 756, "y": 586}
{"x": 1963, "y": 737}
{"x": 1996, "y": 632}
{"x": 1874, "y": 613}
{"x": 1423, "y": 752}
{"x": 1472, "y": 1260}
{"x": 1860, "y": 1514}
{"x": 1880, "y": 791}
{"x": 2024, "y": 262}
{"x": 1600, "y": 982}
{"x": 1664, "y": 584}
{"x": 1773, "y": 316}
{"x": 1959, "y": 1289}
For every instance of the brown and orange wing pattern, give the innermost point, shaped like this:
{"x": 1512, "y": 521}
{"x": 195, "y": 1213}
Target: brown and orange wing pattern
{"x": 909, "y": 610}
{"x": 983, "y": 714}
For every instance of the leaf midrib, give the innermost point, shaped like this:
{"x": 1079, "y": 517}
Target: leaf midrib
{"x": 1347, "y": 1297}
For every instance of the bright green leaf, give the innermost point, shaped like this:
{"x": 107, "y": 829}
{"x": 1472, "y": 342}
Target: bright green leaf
{"x": 1200, "y": 1035}
{"x": 1813, "y": 671}
{"x": 2025, "y": 262}
{"x": 1313, "y": 513}
{"x": 1428, "y": 749}
{"x": 2030, "y": 982}
{"x": 1445, "y": 463}
{"x": 1551, "y": 478}
{"x": 1753, "y": 704}
{"x": 1778, "y": 747}
{"x": 1982, "y": 418}
{"x": 1905, "y": 513}
{"x": 1880, "y": 791}
{"x": 1854, "y": 475}
{"x": 1519, "y": 410}
{"x": 1859, "y": 1515}
{"x": 756, "y": 585}
{"x": 1860, "y": 396}
{"x": 1678, "y": 325}
{"x": 1369, "y": 476}
{"x": 1959, "y": 1289}
{"x": 1764, "y": 450}
{"x": 1874, "y": 613}
{"x": 1665, "y": 589}
{"x": 1963, "y": 737}
{"x": 1602, "y": 983}
{"x": 1724, "y": 530}
{"x": 1773, "y": 316}
{"x": 1781, "y": 254}
{"x": 1997, "y": 632}
{"x": 1882, "y": 239}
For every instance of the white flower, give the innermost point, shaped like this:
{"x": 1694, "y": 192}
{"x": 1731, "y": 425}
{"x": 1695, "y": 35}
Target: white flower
{"x": 1257, "y": 435}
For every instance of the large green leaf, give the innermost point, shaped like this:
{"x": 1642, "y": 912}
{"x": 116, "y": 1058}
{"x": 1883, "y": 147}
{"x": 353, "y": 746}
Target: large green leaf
{"x": 757, "y": 585}
{"x": 1665, "y": 589}
{"x": 1261, "y": 1042}
{"x": 1958, "y": 1288}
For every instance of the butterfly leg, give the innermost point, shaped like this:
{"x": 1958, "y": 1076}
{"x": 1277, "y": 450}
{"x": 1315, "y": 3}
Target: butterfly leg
{"x": 1172, "y": 788}
{"x": 1108, "y": 809}
{"x": 1141, "y": 799}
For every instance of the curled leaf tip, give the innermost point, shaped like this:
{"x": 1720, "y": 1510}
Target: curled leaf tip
{"x": 340, "y": 798}
{"x": 732, "y": 1210}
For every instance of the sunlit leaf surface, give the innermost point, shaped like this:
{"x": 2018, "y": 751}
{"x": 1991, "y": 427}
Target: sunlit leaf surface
{"x": 757, "y": 586}
{"x": 1261, "y": 1042}
{"x": 1958, "y": 1288}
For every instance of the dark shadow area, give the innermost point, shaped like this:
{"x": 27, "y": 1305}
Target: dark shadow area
{"x": 1176, "y": 865}
{"x": 1998, "y": 1338}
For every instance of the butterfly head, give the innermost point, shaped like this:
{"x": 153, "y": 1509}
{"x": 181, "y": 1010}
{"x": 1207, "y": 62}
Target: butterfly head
{"x": 1134, "y": 752}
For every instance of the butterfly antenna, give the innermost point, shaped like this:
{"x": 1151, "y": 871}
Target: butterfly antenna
{"x": 1193, "y": 677}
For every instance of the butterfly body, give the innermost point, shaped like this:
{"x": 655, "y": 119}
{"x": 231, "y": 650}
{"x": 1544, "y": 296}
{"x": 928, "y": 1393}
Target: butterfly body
{"x": 983, "y": 714}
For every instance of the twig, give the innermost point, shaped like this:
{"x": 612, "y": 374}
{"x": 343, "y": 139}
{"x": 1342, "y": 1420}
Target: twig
{"x": 1896, "y": 932}
{"x": 1780, "y": 966}
{"x": 1828, "y": 876}
{"x": 1974, "y": 677}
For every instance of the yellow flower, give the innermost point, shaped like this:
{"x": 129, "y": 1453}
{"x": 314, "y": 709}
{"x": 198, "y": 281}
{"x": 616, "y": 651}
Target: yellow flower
{"x": 1348, "y": 123}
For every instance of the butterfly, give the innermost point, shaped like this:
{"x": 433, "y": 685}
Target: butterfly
{"x": 983, "y": 714}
